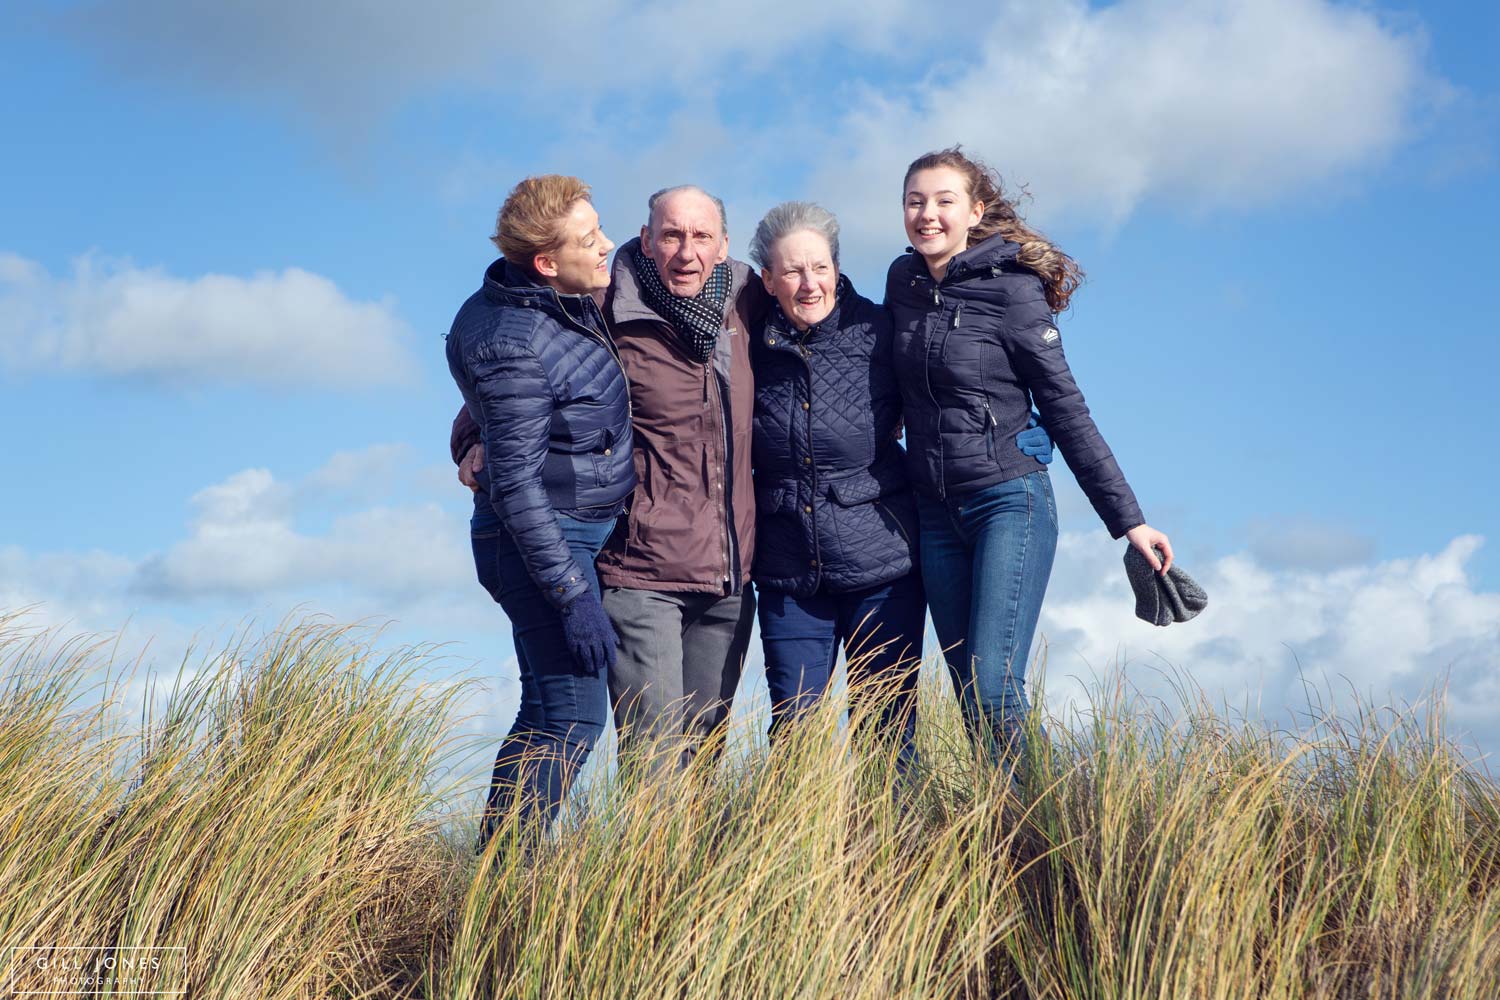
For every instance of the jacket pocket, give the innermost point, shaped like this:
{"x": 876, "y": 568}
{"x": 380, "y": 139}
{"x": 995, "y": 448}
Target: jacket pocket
{"x": 780, "y": 534}
{"x": 866, "y": 485}
{"x": 603, "y": 456}
{"x": 991, "y": 428}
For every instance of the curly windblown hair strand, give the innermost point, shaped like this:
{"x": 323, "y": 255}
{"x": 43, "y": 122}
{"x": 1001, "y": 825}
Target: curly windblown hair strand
{"x": 1060, "y": 273}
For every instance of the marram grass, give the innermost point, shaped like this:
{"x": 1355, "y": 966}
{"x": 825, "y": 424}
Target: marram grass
{"x": 289, "y": 824}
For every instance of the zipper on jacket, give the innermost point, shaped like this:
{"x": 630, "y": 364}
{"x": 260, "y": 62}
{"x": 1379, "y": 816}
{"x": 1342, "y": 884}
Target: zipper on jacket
{"x": 990, "y": 444}
{"x": 609, "y": 345}
{"x": 731, "y": 556}
{"x": 937, "y": 302}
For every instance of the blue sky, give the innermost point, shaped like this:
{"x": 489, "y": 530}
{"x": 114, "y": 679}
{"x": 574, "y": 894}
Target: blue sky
{"x": 234, "y": 235}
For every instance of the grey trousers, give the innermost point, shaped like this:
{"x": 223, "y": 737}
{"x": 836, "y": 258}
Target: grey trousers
{"x": 678, "y": 664}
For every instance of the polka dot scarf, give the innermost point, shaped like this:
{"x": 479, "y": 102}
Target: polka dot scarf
{"x": 697, "y": 319}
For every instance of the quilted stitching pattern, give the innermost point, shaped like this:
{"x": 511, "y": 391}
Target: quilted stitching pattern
{"x": 553, "y": 409}
{"x": 833, "y": 510}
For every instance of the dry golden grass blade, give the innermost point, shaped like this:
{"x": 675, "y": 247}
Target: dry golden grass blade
{"x": 281, "y": 819}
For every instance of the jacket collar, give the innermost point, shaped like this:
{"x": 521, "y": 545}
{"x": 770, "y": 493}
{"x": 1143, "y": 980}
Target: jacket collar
{"x": 506, "y": 284}
{"x": 985, "y": 258}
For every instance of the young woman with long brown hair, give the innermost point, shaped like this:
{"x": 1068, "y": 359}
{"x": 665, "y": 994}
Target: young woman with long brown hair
{"x": 976, "y": 346}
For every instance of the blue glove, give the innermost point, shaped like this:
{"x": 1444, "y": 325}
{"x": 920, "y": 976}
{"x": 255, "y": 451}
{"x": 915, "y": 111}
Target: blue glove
{"x": 1034, "y": 441}
{"x": 590, "y": 634}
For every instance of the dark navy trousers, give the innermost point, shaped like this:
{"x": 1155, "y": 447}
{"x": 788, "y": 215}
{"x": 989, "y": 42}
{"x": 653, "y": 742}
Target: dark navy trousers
{"x": 880, "y": 629}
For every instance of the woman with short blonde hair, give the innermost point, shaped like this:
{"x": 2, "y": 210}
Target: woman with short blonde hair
{"x": 541, "y": 379}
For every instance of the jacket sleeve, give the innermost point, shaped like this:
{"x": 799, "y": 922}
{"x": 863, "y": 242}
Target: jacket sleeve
{"x": 1035, "y": 349}
{"x": 885, "y": 391}
{"x": 516, "y": 404}
{"x": 463, "y": 436}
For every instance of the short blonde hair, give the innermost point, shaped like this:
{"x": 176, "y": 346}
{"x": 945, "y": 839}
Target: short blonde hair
{"x": 530, "y": 221}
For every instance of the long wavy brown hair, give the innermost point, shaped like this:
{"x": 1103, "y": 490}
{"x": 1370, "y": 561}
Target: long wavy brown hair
{"x": 1060, "y": 273}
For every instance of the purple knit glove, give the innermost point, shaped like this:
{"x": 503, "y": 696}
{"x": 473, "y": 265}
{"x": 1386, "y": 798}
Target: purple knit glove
{"x": 589, "y": 632}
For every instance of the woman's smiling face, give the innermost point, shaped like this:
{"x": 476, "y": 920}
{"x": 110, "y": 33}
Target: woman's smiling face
{"x": 803, "y": 277}
{"x": 939, "y": 214}
{"x": 580, "y": 265}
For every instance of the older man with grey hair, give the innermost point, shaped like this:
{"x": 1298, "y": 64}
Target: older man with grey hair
{"x": 677, "y": 579}
{"x": 676, "y": 573}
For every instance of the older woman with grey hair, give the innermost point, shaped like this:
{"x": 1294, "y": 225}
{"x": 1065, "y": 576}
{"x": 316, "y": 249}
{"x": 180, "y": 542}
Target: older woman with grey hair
{"x": 835, "y": 561}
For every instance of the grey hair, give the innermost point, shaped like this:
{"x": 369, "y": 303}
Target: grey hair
{"x": 790, "y": 217}
{"x": 658, "y": 196}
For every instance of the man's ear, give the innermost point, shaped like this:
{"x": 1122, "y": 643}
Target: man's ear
{"x": 723, "y": 250}
{"x": 646, "y": 237}
{"x": 545, "y": 265}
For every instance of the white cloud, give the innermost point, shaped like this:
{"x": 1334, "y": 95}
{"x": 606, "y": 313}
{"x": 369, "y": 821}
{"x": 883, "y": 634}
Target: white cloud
{"x": 257, "y": 545}
{"x": 259, "y": 548}
{"x": 349, "y": 63}
{"x": 66, "y": 586}
{"x": 245, "y": 541}
{"x": 1393, "y": 631}
{"x": 1097, "y": 109}
{"x": 112, "y": 318}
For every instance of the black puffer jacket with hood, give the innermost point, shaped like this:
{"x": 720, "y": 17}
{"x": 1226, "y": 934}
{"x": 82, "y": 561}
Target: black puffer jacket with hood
{"x": 974, "y": 353}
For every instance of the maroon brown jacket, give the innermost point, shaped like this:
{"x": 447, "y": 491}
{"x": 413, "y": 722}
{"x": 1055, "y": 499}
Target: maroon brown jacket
{"x": 691, "y": 525}
{"x": 691, "y": 522}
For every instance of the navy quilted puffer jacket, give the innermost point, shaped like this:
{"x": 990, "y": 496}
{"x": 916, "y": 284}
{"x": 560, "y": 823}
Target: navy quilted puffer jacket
{"x": 833, "y": 510}
{"x": 974, "y": 353}
{"x": 540, "y": 377}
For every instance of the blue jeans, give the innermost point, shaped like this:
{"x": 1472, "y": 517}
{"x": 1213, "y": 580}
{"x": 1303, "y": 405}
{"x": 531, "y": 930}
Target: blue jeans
{"x": 880, "y": 629}
{"x": 563, "y": 708}
{"x": 986, "y": 557}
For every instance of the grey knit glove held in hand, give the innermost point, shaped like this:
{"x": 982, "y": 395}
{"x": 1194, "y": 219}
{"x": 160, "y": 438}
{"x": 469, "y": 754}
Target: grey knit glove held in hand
{"x": 1162, "y": 600}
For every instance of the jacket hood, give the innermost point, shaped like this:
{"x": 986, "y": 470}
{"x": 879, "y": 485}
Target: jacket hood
{"x": 995, "y": 252}
{"x": 625, "y": 298}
